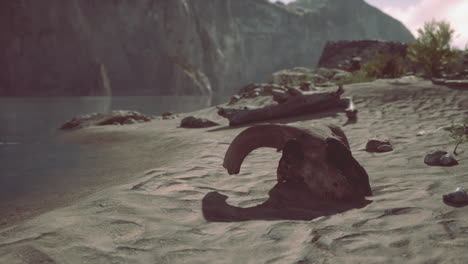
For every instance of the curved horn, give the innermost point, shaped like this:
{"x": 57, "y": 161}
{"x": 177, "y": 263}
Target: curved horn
{"x": 272, "y": 136}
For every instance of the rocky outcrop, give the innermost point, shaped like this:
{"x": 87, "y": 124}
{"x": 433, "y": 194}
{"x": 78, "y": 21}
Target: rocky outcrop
{"x": 316, "y": 76}
{"x": 103, "y": 119}
{"x": 346, "y": 54}
{"x": 170, "y": 46}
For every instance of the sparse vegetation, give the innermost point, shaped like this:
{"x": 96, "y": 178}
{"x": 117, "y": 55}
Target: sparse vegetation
{"x": 432, "y": 48}
{"x": 385, "y": 66}
{"x": 381, "y": 66}
{"x": 459, "y": 133}
{"x": 357, "y": 77}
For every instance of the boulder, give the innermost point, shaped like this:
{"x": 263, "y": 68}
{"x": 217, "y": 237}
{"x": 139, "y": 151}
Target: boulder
{"x": 167, "y": 115}
{"x": 440, "y": 158}
{"x": 378, "y": 145}
{"x": 196, "y": 122}
{"x": 302, "y": 77}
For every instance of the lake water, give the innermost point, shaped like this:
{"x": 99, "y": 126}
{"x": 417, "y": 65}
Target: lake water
{"x": 32, "y": 120}
{"x": 33, "y": 166}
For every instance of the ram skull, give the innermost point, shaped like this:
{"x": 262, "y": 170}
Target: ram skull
{"x": 319, "y": 156}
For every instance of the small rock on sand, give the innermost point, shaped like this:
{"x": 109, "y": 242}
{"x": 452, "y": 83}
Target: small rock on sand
{"x": 458, "y": 196}
{"x": 378, "y": 145}
{"x": 448, "y": 160}
{"x": 440, "y": 158}
{"x": 196, "y": 122}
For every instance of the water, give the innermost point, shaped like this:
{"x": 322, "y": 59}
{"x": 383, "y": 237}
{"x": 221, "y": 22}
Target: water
{"x": 33, "y": 120}
{"x": 33, "y": 166}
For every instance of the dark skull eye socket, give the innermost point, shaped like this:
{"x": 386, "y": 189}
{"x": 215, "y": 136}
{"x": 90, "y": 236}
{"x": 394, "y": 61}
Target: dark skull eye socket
{"x": 292, "y": 152}
{"x": 337, "y": 153}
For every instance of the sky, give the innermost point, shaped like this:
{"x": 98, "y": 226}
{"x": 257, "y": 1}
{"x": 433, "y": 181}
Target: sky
{"x": 413, "y": 14}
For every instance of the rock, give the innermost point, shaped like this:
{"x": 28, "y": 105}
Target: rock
{"x": 448, "y": 160}
{"x": 384, "y": 148}
{"x": 433, "y": 157}
{"x": 302, "y": 77}
{"x": 280, "y": 96}
{"x": 195, "y": 122}
{"x": 249, "y": 88}
{"x": 305, "y": 86}
{"x": 458, "y": 196}
{"x": 234, "y": 99}
{"x": 129, "y": 121}
{"x": 378, "y": 145}
{"x": 440, "y": 158}
{"x": 101, "y": 119}
{"x": 421, "y": 133}
{"x": 167, "y": 116}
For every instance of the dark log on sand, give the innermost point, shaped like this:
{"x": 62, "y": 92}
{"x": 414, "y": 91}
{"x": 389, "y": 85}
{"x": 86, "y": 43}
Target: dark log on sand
{"x": 299, "y": 104}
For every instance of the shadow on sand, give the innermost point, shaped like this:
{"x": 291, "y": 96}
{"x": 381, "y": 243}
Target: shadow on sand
{"x": 287, "y": 201}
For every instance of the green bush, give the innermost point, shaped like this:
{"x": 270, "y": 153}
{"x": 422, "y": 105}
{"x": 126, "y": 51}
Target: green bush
{"x": 384, "y": 66}
{"x": 357, "y": 77}
{"x": 432, "y": 47}
{"x": 459, "y": 134}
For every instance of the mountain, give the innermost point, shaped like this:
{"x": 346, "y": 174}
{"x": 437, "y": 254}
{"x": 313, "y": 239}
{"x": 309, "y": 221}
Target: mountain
{"x": 170, "y": 47}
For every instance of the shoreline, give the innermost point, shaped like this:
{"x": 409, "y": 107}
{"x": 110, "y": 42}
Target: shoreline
{"x": 127, "y": 221}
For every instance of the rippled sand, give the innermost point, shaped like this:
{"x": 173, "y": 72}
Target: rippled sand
{"x": 187, "y": 209}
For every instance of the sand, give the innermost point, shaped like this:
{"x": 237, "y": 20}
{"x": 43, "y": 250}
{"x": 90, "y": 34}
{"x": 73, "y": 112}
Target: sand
{"x": 187, "y": 209}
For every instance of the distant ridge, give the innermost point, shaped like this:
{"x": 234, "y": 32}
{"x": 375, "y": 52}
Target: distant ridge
{"x": 171, "y": 47}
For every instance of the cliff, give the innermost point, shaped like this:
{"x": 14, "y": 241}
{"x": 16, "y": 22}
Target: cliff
{"x": 84, "y": 47}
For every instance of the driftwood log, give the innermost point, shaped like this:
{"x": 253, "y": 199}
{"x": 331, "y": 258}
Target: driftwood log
{"x": 297, "y": 104}
{"x": 459, "y": 84}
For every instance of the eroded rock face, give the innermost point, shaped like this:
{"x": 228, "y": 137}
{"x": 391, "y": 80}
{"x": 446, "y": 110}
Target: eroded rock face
{"x": 170, "y": 46}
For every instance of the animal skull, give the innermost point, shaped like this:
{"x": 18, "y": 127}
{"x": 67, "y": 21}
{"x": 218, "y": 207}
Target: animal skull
{"x": 319, "y": 156}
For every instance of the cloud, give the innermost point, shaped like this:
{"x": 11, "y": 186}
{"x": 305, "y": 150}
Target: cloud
{"x": 414, "y": 16}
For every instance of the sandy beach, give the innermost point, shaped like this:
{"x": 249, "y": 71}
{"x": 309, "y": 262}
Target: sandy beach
{"x": 181, "y": 206}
